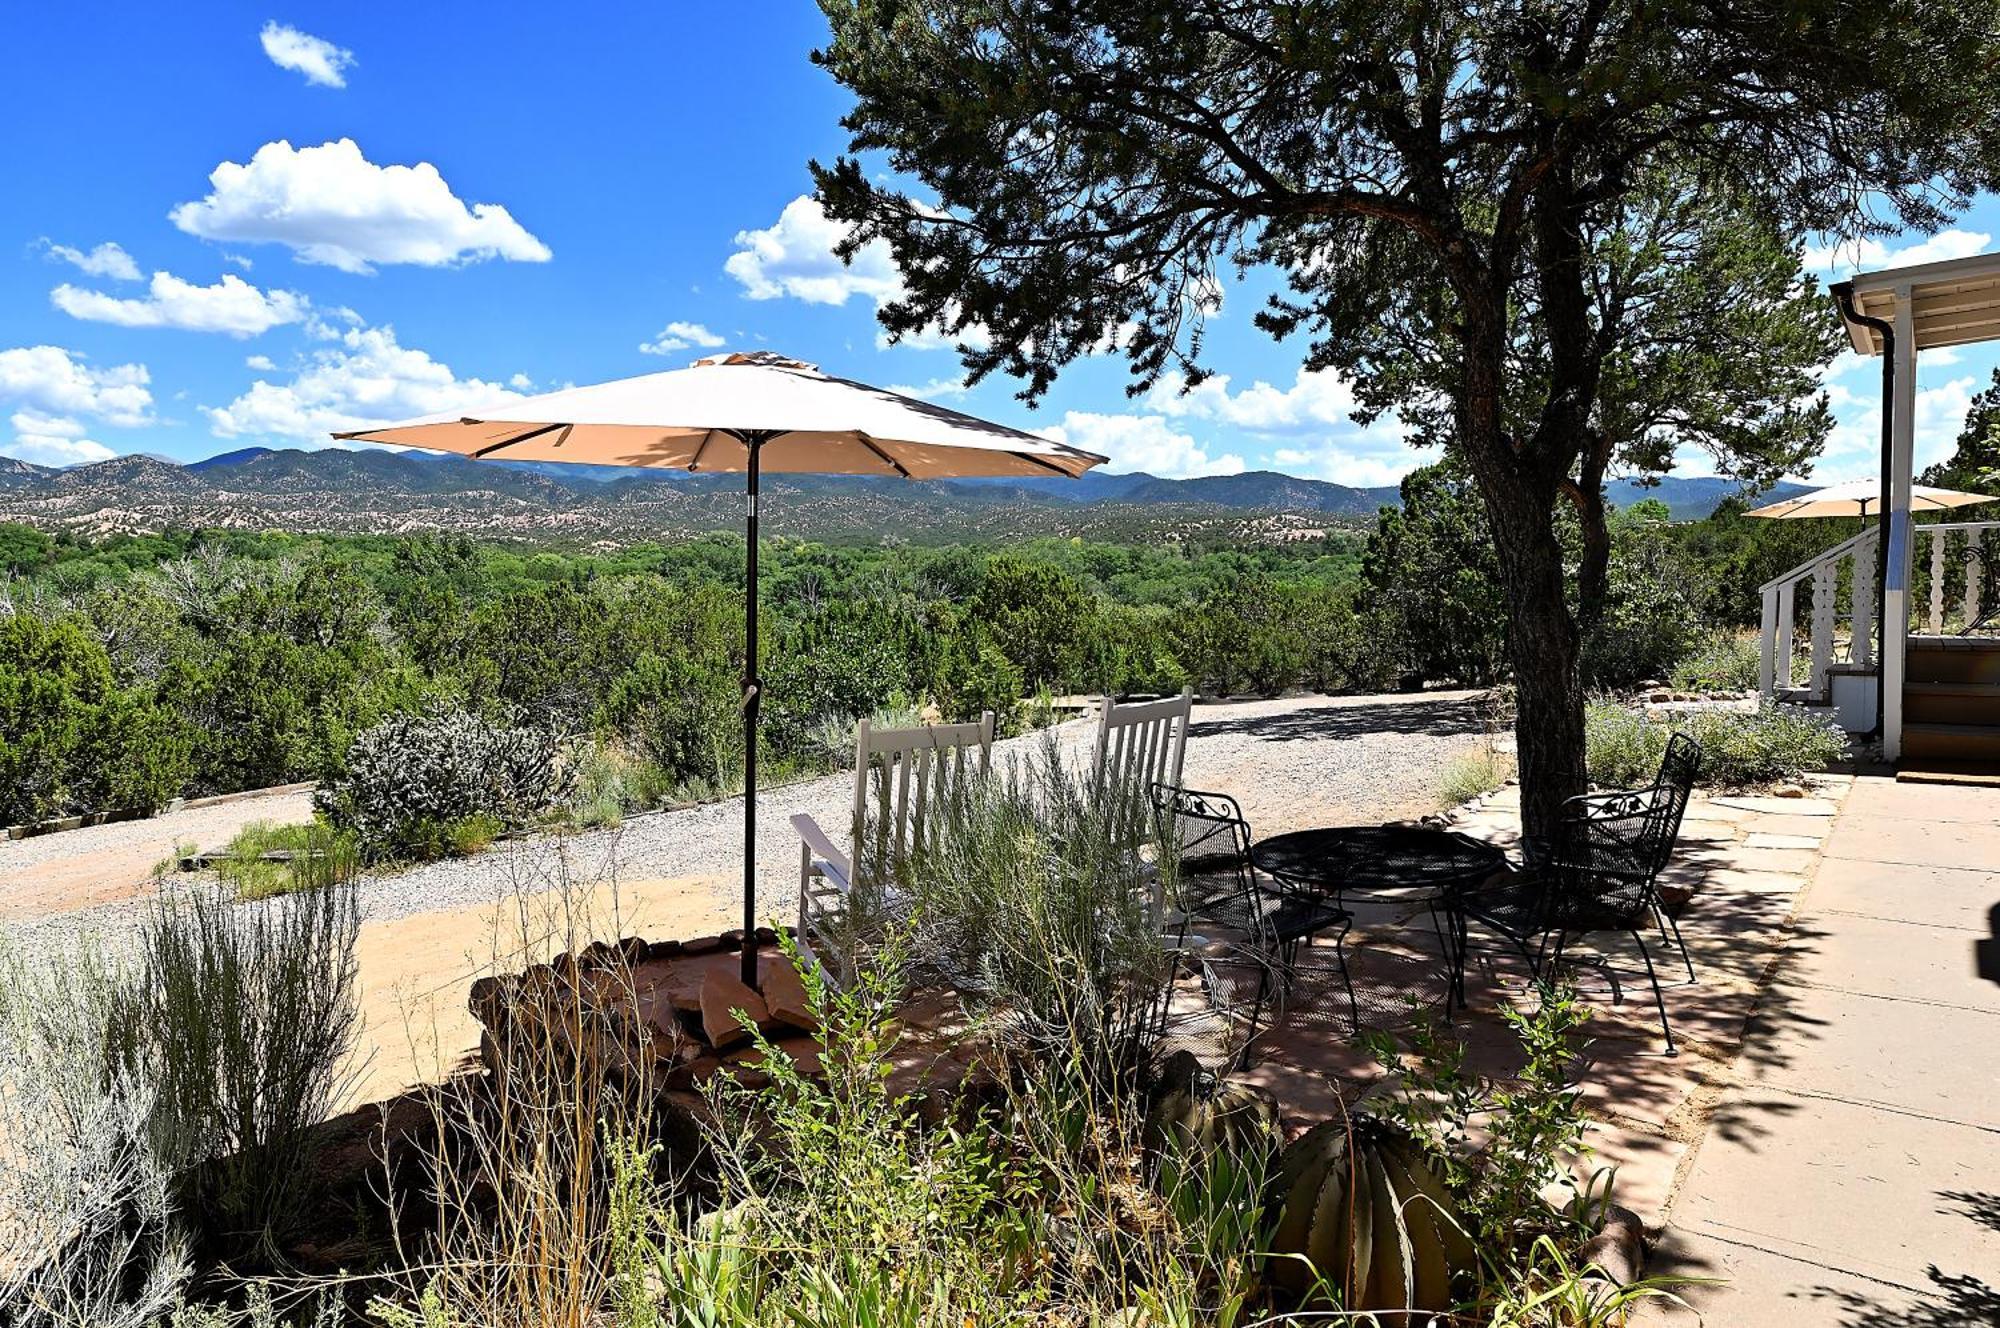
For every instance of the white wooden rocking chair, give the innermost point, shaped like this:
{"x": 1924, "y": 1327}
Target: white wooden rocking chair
{"x": 904, "y": 771}
{"x": 1140, "y": 745}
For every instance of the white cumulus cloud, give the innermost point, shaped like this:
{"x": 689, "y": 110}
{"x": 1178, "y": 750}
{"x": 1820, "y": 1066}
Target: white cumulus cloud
{"x": 52, "y": 440}
{"x": 58, "y": 382}
{"x": 319, "y": 60}
{"x": 1854, "y": 446}
{"x": 332, "y": 206}
{"x": 232, "y": 306}
{"x": 1314, "y": 417}
{"x": 1141, "y": 442}
{"x": 1875, "y": 255}
{"x": 362, "y": 377}
{"x": 677, "y": 336}
{"x": 261, "y": 363}
{"x": 105, "y": 260}
{"x": 795, "y": 258}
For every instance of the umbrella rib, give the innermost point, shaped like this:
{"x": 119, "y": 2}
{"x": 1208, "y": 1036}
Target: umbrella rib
{"x": 694, "y": 462}
{"x": 491, "y": 448}
{"x": 870, "y": 444}
{"x": 1045, "y": 465}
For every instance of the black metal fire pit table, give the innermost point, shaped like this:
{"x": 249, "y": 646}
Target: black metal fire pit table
{"x": 1414, "y": 863}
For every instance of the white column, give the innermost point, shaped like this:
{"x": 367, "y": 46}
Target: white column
{"x": 1896, "y": 588}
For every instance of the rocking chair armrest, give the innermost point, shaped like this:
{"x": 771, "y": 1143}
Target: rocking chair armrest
{"x": 831, "y": 861}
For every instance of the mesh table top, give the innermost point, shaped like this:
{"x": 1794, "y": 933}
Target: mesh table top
{"x": 1342, "y": 859}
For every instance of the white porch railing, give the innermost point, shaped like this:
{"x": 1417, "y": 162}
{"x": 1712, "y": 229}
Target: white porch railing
{"x": 1959, "y": 559}
{"x": 1821, "y": 576}
{"x": 1957, "y": 592}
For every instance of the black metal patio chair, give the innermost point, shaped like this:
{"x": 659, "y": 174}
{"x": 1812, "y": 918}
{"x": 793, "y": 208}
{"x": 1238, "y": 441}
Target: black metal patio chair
{"x": 1215, "y": 884}
{"x": 1600, "y": 874}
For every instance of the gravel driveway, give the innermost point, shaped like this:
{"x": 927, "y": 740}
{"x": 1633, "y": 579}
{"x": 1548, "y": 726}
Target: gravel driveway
{"x": 1292, "y": 762}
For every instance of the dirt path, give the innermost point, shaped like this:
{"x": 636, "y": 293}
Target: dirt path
{"x": 109, "y": 864}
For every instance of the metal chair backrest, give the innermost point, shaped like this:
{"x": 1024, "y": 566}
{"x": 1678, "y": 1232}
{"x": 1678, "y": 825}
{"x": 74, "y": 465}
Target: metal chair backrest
{"x": 1209, "y": 840}
{"x": 1672, "y": 788}
{"x": 902, "y": 775}
{"x": 1139, "y": 745}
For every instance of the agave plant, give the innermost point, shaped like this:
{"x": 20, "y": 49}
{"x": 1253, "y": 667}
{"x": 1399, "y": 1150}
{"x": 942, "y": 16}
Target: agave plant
{"x": 1363, "y": 1223}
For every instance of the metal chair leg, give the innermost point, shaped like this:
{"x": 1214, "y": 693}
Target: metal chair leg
{"x": 1678, "y": 939}
{"x": 1346, "y": 979}
{"x": 1659, "y": 1000}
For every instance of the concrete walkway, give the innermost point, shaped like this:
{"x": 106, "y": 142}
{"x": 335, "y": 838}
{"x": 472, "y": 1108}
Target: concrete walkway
{"x": 1852, "y": 1174}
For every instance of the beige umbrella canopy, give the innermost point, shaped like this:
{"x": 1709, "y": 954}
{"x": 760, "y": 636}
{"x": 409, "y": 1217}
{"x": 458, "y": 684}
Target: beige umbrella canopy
{"x": 747, "y": 412}
{"x": 1864, "y": 498}
{"x": 709, "y": 415}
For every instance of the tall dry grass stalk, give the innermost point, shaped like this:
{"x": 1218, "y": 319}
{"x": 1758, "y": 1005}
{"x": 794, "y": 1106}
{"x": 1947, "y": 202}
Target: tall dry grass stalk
{"x": 511, "y": 1228}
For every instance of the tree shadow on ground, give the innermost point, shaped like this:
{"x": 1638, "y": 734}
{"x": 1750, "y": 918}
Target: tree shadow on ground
{"x": 1952, "y": 1300}
{"x": 1459, "y": 717}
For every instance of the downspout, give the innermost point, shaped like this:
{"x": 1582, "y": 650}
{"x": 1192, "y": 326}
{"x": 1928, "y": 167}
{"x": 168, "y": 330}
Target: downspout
{"x": 1844, "y": 293}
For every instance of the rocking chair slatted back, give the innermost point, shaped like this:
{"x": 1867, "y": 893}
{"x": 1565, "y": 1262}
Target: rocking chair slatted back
{"x": 1140, "y": 745}
{"x": 900, "y": 773}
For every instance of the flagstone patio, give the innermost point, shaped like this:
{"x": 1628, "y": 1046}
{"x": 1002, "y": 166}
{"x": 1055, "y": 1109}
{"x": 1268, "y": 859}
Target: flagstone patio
{"x": 1741, "y": 867}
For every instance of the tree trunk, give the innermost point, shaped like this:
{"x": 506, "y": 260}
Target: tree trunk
{"x": 1593, "y": 576}
{"x": 1542, "y": 642}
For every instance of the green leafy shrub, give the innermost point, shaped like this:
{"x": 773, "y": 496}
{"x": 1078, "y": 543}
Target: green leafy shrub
{"x": 680, "y": 714}
{"x": 1724, "y": 662}
{"x": 70, "y": 741}
{"x": 1740, "y": 748}
{"x": 973, "y": 675}
{"x": 607, "y": 783}
{"x": 413, "y": 781}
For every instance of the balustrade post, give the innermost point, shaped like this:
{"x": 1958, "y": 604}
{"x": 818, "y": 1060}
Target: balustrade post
{"x": 1767, "y": 656}
{"x": 1861, "y": 650}
{"x": 1937, "y": 538}
{"x": 1822, "y": 626}
{"x": 1786, "y": 612}
{"x": 1975, "y": 572}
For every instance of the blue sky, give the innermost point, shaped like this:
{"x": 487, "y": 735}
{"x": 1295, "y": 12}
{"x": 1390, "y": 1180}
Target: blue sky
{"x": 227, "y": 226}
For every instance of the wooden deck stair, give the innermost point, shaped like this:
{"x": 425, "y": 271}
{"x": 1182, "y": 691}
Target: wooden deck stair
{"x": 1951, "y": 710}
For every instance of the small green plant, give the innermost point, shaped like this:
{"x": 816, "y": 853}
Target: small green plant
{"x": 264, "y": 859}
{"x": 1474, "y": 773}
{"x": 1536, "y": 1124}
{"x": 1740, "y": 748}
{"x": 608, "y": 783}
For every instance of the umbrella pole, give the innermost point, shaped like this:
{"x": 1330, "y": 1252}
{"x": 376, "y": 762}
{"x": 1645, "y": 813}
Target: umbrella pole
{"x": 752, "y": 702}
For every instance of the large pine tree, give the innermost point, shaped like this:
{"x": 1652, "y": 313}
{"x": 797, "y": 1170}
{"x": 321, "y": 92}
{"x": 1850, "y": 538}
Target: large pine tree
{"x": 1555, "y": 235}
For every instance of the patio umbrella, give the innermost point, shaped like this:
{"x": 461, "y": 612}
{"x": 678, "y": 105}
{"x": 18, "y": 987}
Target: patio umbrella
{"x": 1864, "y": 498}
{"x": 744, "y": 412}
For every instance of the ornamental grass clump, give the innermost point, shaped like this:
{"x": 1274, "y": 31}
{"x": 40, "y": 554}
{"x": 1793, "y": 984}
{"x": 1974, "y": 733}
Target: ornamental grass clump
{"x": 241, "y": 1017}
{"x": 1030, "y": 896}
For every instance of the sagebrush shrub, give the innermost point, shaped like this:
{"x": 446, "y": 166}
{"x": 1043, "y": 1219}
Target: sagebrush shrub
{"x": 242, "y": 1019}
{"x": 412, "y": 778}
{"x": 1739, "y": 747}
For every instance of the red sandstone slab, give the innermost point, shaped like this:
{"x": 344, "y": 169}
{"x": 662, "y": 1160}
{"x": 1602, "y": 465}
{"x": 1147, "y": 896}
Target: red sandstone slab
{"x": 722, "y": 998}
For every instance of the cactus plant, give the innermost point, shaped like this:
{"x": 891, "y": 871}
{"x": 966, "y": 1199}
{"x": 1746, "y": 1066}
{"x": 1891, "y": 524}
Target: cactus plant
{"x": 1236, "y": 1118}
{"x": 1361, "y": 1216}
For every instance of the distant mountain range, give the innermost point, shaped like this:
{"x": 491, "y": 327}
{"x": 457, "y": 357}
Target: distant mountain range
{"x": 374, "y": 491}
